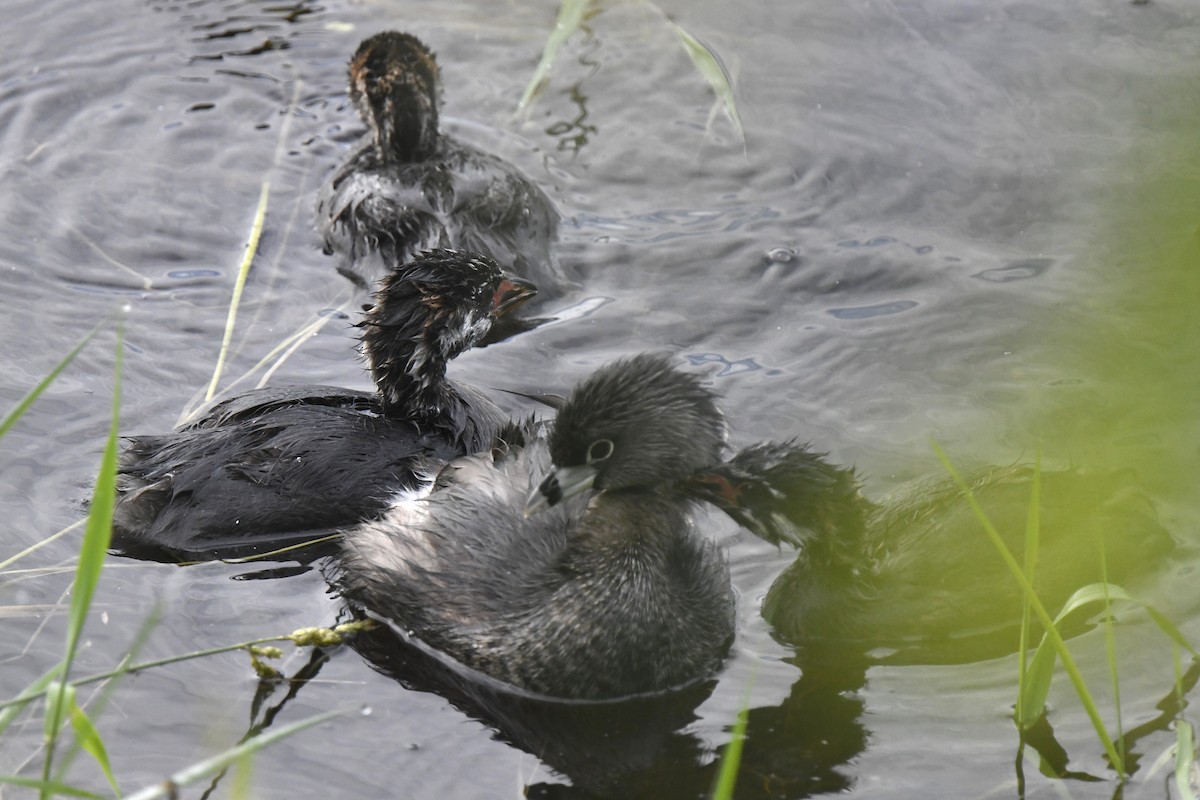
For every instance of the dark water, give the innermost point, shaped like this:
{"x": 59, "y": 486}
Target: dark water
{"x": 904, "y": 250}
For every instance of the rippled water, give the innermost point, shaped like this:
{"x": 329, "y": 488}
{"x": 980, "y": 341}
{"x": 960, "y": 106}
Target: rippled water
{"x": 903, "y": 250}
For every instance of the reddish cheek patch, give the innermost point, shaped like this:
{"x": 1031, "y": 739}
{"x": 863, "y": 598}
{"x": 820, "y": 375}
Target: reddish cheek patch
{"x": 724, "y": 489}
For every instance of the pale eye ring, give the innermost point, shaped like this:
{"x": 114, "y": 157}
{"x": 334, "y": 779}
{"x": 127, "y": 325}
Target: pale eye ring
{"x": 599, "y": 450}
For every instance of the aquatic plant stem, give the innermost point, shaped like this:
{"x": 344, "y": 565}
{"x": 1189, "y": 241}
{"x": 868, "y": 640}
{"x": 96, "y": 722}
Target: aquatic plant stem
{"x": 1110, "y": 646}
{"x": 11, "y": 417}
{"x": 260, "y": 216}
{"x": 38, "y": 545}
{"x": 169, "y": 787}
{"x": 731, "y": 759}
{"x": 92, "y": 553}
{"x": 123, "y": 668}
{"x": 571, "y": 14}
{"x": 1043, "y": 616}
{"x": 302, "y": 637}
{"x": 1032, "y": 545}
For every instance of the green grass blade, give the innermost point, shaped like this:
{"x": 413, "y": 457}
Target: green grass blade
{"x": 1185, "y": 760}
{"x": 1056, "y": 640}
{"x": 224, "y": 759}
{"x": 9, "y": 710}
{"x": 48, "y": 787}
{"x": 304, "y": 637}
{"x": 33, "y": 548}
{"x": 99, "y": 703}
{"x": 242, "y": 774}
{"x": 710, "y": 67}
{"x": 1038, "y": 677}
{"x": 11, "y": 417}
{"x": 731, "y": 759}
{"x": 571, "y": 14}
{"x": 1110, "y": 648}
{"x": 1168, "y": 627}
{"x": 89, "y": 739}
{"x": 283, "y": 350}
{"x": 1032, "y": 545}
{"x": 57, "y": 693}
{"x": 1041, "y": 668}
{"x": 243, "y": 271}
{"x": 93, "y": 550}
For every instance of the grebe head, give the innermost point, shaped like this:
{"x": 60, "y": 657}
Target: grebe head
{"x": 394, "y": 83}
{"x": 428, "y": 311}
{"x": 636, "y": 423}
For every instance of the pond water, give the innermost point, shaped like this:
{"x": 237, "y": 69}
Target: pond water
{"x": 912, "y": 243}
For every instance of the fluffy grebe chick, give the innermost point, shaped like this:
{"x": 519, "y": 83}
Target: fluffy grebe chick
{"x": 409, "y": 187}
{"x": 914, "y": 577}
{"x": 283, "y": 465}
{"x": 600, "y": 595}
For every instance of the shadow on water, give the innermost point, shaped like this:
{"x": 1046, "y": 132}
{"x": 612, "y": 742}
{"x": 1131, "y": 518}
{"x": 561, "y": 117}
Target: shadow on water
{"x": 641, "y": 747}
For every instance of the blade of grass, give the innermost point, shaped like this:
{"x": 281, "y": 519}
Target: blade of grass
{"x": 1032, "y": 545}
{"x": 1168, "y": 627}
{"x": 256, "y": 228}
{"x": 242, "y": 773}
{"x": 48, "y": 787}
{"x": 19, "y": 410}
{"x": 1110, "y": 646}
{"x": 1041, "y": 667}
{"x": 1060, "y": 647}
{"x": 286, "y": 347}
{"x": 571, "y": 14}
{"x": 220, "y": 761}
{"x": 260, "y": 216}
{"x": 307, "y": 331}
{"x": 1185, "y": 759}
{"x": 303, "y": 637}
{"x": 89, "y": 739}
{"x": 10, "y": 709}
{"x": 6, "y": 563}
{"x": 92, "y": 552}
{"x": 731, "y": 759}
{"x": 99, "y": 703}
{"x": 712, "y": 70}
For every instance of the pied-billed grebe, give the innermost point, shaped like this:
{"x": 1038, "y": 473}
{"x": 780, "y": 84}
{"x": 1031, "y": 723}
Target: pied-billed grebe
{"x": 602, "y": 595}
{"x": 409, "y": 187}
{"x": 914, "y": 576}
{"x": 282, "y": 465}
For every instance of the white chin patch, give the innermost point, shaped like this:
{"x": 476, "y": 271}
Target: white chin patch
{"x": 472, "y": 329}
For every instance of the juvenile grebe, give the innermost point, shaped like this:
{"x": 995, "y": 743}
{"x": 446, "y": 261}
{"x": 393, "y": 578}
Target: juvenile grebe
{"x": 409, "y": 187}
{"x": 600, "y": 595}
{"x": 283, "y": 465}
{"x": 914, "y": 577}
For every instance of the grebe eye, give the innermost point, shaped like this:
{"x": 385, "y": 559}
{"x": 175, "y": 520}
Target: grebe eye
{"x": 599, "y": 450}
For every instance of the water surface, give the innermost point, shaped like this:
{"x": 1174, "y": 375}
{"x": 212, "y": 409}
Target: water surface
{"x": 907, "y": 246}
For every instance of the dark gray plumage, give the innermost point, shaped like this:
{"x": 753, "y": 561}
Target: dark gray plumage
{"x": 599, "y": 596}
{"x": 409, "y": 188}
{"x": 282, "y": 465}
{"x": 915, "y": 572}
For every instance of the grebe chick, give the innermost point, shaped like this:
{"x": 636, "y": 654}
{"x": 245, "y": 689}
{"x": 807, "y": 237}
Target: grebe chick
{"x": 409, "y": 187}
{"x": 278, "y": 466}
{"x": 914, "y": 577}
{"x": 598, "y": 594}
